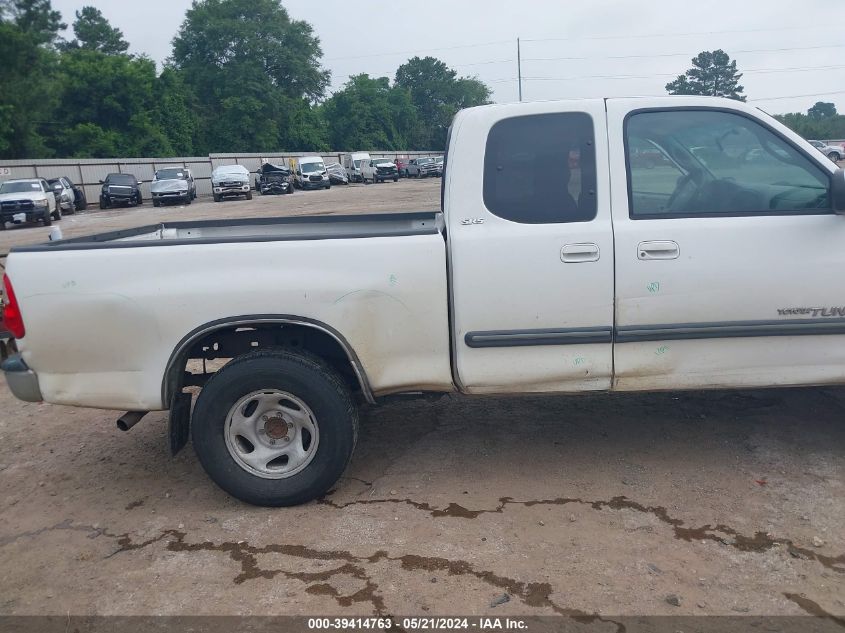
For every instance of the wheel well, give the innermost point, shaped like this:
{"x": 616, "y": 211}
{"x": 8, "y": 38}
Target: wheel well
{"x": 231, "y": 341}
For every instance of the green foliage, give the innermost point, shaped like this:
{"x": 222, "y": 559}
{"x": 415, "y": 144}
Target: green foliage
{"x": 713, "y": 74}
{"x": 35, "y": 18}
{"x": 243, "y": 76}
{"x": 820, "y": 122}
{"x": 94, "y": 33}
{"x": 822, "y": 110}
{"x": 370, "y": 114}
{"x": 248, "y": 63}
{"x": 26, "y": 101}
{"x": 438, "y": 93}
{"x": 108, "y": 104}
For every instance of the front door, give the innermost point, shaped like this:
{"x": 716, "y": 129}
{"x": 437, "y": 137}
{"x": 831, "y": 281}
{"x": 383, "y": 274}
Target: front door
{"x": 729, "y": 259}
{"x": 531, "y": 250}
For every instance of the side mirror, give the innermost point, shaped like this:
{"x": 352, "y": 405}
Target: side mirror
{"x": 837, "y": 191}
{"x": 102, "y": 181}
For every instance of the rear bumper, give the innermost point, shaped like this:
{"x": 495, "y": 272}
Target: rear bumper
{"x": 22, "y": 381}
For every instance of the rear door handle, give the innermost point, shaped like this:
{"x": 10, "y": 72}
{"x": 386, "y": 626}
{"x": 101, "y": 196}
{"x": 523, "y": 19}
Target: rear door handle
{"x": 661, "y": 249}
{"x": 578, "y": 253}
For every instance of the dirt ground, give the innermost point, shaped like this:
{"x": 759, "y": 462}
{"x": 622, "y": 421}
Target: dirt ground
{"x": 726, "y": 503}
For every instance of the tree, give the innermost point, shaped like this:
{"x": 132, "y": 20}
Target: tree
{"x": 36, "y": 18}
{"x": 174, "y": 111}
{"x": 28, "y": 31}
{"x": 437, "y": 94}
{"x": 107, "y": 107}
{"x": 94, "y": 33}
{"x": 820, "y": 122}
{"x": 370, "y": 114}
{"x": 713, "y": 74}
{"x": 249, "y": 66}
{"x": 822, "y": 110}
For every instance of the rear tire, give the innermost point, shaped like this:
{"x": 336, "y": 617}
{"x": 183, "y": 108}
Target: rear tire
{"x": 249, "y": 195}
{"x": 47, "y": 219}
{"x": 216, "y": 198}
{"x": 316, "y": 460}
{"x": 835, "y": 157}
{"x": 156, "y": 203}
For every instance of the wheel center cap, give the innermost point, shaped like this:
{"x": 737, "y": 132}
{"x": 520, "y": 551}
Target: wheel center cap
{"x": 276, "y": 428}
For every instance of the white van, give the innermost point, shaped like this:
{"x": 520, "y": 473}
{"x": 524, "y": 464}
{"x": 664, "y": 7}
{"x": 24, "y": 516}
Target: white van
{"x": 352, "y": 164}
{"x": 310, "y": 173}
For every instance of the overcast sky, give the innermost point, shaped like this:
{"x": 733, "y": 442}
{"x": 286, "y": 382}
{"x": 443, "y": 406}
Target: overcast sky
{"x": 592, "y": 48}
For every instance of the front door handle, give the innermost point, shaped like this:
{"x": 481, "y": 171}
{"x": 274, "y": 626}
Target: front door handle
{"x": 578, "y": 253}
{"x": 661, "y": 249}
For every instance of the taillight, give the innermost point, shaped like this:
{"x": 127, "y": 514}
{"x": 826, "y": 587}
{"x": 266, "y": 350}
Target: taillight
{"x": 11, "y": 310}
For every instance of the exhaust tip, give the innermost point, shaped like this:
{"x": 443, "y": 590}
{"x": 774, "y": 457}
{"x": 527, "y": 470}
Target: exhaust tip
{"x": 130, "y": 419}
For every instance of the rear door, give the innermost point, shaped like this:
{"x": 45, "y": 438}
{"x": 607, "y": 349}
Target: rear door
{"x": 531, "y": 248}
{"x": 728, "y": 256}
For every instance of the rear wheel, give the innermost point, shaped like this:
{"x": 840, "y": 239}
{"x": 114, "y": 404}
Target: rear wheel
{"x": 249, "y": 195}
{"x": 275, "y": 428}
{"x": 189, "y": 199}
{"x": 217, "y": 197}
{"x": 834, "y": 156}
{"x": 47, "y": 219}
{"x": 156, "y": 202}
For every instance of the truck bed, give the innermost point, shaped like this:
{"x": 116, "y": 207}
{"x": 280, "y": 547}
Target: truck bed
{"x": 120, "y": 311}
{"x": 254, "y": 230}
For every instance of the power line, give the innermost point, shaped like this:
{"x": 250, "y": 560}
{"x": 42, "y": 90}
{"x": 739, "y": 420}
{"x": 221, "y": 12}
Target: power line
{"x": 755, "y": 50}
{"x": 419, "y": 50}
{"x": 815, "y": 94}
{"x": 653, "y": 35}
{"x": 751, "y": 71}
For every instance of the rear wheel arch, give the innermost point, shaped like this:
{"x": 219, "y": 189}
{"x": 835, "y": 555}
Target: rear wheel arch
{"x": 234, "y": 337}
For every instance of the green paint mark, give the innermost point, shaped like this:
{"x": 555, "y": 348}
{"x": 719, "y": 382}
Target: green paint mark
{"x": 653, "y": 287}
{"x": 394, "y": 280}
{"x": 660, "y": 351}
{"x": 579, "y": 361}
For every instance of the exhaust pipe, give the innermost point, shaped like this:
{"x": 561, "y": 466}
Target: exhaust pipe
{"x": 130, "y": 419}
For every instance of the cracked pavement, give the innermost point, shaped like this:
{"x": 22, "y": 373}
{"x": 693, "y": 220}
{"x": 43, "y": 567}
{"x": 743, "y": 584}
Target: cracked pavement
{"x": 600, "y": 504}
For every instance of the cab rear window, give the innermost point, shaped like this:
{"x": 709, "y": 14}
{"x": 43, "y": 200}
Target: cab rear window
{"x": 541, "y": 169}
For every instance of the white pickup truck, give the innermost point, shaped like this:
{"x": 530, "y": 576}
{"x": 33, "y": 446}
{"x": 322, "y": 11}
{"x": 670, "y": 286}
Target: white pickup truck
{"x": 564, "y": 262}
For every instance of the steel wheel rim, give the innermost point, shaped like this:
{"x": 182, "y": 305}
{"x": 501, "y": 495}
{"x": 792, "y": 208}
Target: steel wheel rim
{"x": 271, "y": 434}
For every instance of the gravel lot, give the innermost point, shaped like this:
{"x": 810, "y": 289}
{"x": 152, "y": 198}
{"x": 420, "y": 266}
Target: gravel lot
{"x": 674, "y": 503}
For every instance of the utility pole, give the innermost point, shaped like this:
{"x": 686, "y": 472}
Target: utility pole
{"x": 519, "y": 66}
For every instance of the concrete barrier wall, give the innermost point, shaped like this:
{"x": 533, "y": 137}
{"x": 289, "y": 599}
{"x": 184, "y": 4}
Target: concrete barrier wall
{"x": 90, "y": 171}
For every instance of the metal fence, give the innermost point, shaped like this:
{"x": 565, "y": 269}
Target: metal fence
{"x": 88, "y": 172}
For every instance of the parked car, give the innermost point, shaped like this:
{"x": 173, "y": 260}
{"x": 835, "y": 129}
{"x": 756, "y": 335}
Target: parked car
{"x": 833, "y": 153}
{"x": 123, "y": 189}
{"x": 173, "y": 184}
{"x": 421, "y": 167}
{"x": 76, "y": 194}
{"x": 378, "y": 170}
{"x": 438, "y": 160}
{"x": 310, "y": 173}
{"x": 352, "y": 164}
{"x": 230, "y": 181}
{"x": 401, "y": 166}
{"x": 316, "y": 314}
{"x": 337, "y": 174}
{"x": 28, "y": 200}
{"x": 64, "y": 195}
{"x": 273, "y": 179}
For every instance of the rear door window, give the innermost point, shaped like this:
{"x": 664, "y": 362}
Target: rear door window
{"x": 540, "y": 169}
